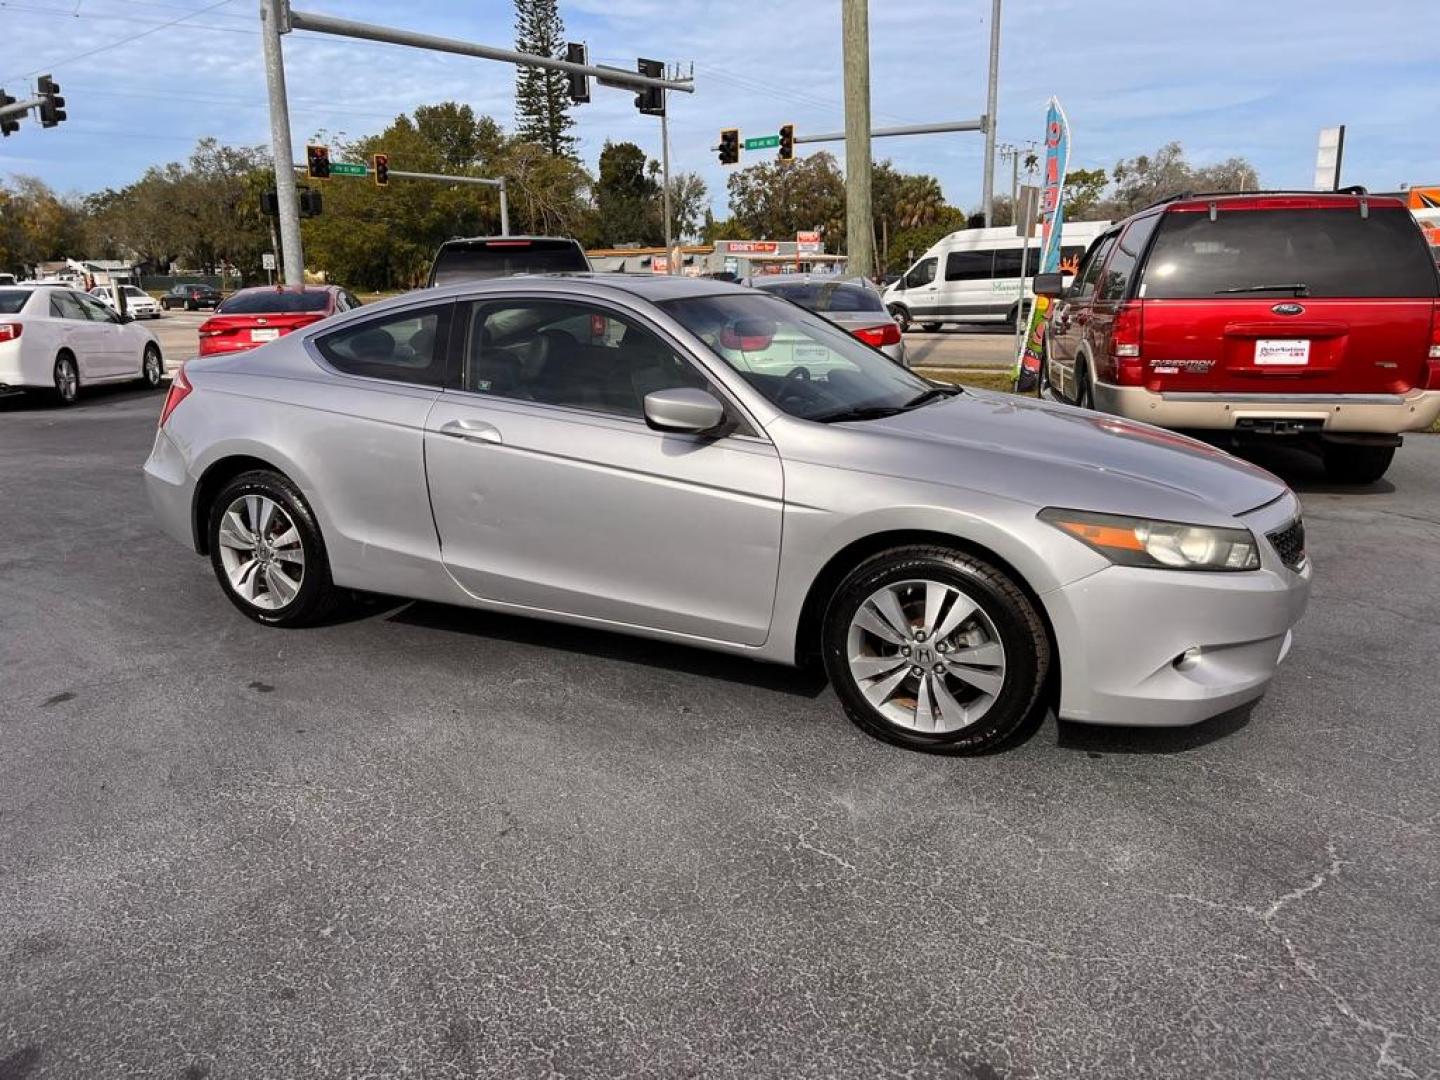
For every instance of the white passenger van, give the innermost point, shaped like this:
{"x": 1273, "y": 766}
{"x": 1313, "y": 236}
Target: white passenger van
{"x": 973, "y": 276}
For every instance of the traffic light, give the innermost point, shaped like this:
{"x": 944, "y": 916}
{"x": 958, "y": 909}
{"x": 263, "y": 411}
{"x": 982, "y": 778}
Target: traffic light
{"x": 52, "y": 109}
{"x": 311, "y": 203}
{"x": 577, "y": 53}
{"x": 729, "y": 146}
{"x": 787, "y": 142}
{"x": 380, "y": 165}
{"x": 317, "y": 161}
{"x": 651, "y": 99}
{"x": 8, "y": 123}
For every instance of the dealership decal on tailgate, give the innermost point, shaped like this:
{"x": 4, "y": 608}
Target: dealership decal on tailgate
{"x": 1282, "y": 351}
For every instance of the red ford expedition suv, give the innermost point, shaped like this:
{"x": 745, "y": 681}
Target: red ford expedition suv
{"x": 1309, "y": 316}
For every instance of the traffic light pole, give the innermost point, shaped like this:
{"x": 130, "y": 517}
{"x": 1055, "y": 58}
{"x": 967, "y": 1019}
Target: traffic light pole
{"x": 272, "y": 25}
{"x": 444, "y": 179}
{"x": 665, "y": 181}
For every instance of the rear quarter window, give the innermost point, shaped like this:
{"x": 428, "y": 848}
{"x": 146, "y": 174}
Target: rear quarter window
{"x": 1332, "y": 252}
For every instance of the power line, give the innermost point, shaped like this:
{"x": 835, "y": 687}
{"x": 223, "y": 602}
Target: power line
{"x": 53, "y": 64}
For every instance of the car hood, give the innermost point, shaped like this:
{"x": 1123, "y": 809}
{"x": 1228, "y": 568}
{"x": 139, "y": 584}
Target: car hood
{"x": 1056, "y": 455}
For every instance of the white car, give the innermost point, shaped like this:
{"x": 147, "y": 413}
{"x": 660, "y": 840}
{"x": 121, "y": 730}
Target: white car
{"x": 61, "y": 339}
{"x": 138, "y": 303}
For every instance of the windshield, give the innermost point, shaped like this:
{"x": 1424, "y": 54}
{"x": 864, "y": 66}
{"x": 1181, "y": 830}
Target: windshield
{"x": 1280, "y": 253}
{"x": 501, "y": 258}
{"x": 12, "y": 300}
{"x": 829, "y": 296}
{"x": 265, "y": 302}
{"x": 804, "y": 365}
{"x": 131, "y": 290}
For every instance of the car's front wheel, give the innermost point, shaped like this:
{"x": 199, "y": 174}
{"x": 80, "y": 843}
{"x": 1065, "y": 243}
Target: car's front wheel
{"x": 901, "y": 314}
{"x": 152, "y": 368}
{"x": 935, "y": 649}
{"x": 267, "y": 552}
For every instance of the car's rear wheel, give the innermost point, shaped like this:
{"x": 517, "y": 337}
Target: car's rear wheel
{"x": 1084, "y": 395}
{"x": 67, "y": 379}
{"x": 936, "y": 650}
{"x": 191, "y": 305}
{"x": 267, "y": 552}
{"x": 1350, "y": 464}
{"x": 152, "y": 367}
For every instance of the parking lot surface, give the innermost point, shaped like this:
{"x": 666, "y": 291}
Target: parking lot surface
{"x": 443, "y": 843}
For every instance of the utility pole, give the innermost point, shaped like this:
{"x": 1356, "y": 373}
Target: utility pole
{"x": 271, "y": 26}
{"x": 988, "y": 193}
{"x": 670, "y": 259}
{"x": 859, "y": 239}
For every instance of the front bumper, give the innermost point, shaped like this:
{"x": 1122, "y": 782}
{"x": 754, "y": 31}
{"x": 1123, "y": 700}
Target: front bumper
{"x": 1123, "y": 636}
{"x": 1384, "y": 414}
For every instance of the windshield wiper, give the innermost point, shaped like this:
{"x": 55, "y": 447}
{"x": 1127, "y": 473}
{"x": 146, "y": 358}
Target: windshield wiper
{"x": 930, "y": 395}
{"x": 1299, "y": 288}
{"x": 862, "y": 412}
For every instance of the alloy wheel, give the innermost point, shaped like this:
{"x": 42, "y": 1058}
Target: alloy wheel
{"x": 262, "y": 553}
{"x": 151, "y": 369}
{"x": 67, "y": 379}
{"x": 926, "y": 656}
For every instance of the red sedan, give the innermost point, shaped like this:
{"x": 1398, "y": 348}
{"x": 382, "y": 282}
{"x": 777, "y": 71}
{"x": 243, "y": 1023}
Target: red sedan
{"x": 251, "y": 317}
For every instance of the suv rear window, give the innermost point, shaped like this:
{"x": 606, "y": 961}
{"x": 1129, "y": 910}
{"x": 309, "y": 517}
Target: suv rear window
{"x": 1332, "y": 252}
{"x": 265, "y": 302}
{"x": 481, "y": 259}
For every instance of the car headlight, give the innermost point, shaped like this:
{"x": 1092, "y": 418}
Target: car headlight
{"x": 1162, "y": 545}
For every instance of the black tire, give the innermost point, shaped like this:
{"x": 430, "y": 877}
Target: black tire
{"x": 317, "y": 596}
{"x": 901, "y": 314}
{"x": 931, "y": 327}
{"x": 1351, "y": 464}
{"x": 190, "y": 305}
{"x": 152, "y": 366}
{"x": 66, "y": 375}
{"x": 1084, "y": 395}
{"x": 1019, "y": 627}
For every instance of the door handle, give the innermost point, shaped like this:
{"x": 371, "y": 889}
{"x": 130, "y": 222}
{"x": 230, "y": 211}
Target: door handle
{"x": 473, "y": 430}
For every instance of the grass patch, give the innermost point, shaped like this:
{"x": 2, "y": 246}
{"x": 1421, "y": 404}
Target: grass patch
{"x": 981, "y": 380}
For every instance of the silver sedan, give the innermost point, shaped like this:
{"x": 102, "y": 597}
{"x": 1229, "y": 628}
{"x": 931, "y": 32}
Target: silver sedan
{"x": 702, "y": 463}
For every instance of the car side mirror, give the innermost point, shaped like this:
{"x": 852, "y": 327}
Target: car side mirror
{"x": 127, "y": 317}
{"x": 684, "y": 409}
{"x": 1051, "y": 285}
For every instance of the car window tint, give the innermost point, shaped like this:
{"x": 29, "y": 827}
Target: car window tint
{"x": 274, "y": 302}
{"x": 1333, "y": 252}
{"x": 827, "y": 296}
{"x": 405, "y": 346}
{"x": 968, "y": 265}
{"x": 1115, "y": 280}
{"x": 1090, "y": 271}
{"x": 571, "y": 354}
{"x": 922, "y": 273}
{"x": 478, "y": 260}
{"x": 12, "y": 300}
{"x": 93, "y": 309}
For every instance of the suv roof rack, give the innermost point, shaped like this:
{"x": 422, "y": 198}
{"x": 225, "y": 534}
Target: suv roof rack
{"x": 1353, "y": 189}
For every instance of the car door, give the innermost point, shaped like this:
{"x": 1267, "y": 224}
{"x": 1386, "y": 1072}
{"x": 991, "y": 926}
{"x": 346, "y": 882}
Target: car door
{"x": 121, "y": 354}
{"x": 1071, "y": 317}
{"x": 922, "y": 291}
{"x": 551, "y": 493}
{"x": 84, "y": 337}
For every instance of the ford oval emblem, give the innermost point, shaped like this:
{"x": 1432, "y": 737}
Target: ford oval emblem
{"x": 1288, "y": 309}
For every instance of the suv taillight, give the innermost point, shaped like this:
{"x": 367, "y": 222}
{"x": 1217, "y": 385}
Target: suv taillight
{"x": 1125, "y": 345}
{"x": 884, "y": 334}
{"x": 9, "y": 331}
{"x": 179, "y": 390}
{"x": 1432, "y": 374}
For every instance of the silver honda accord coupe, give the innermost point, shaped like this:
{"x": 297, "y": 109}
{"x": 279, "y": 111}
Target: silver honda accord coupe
{"x": 698, "y": 462}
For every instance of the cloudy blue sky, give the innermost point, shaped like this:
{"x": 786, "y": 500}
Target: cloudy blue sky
{"x": 1257, "y": 78}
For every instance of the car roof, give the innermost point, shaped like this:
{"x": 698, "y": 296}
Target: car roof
{"x": 1273, "y": 200}
{"x": 527, "y": 239}
{"x": 284, "y": 289}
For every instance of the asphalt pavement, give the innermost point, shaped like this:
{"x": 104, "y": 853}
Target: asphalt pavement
{"x": 441, "y": 843}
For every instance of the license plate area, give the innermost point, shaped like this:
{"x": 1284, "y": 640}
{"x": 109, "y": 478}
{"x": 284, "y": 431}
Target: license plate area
{"x": 1282, "y": 352}
{"x": 264, "y": 335}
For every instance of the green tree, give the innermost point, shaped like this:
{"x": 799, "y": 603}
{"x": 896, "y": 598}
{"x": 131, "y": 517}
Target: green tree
{"x": 689, "y": 200}
{"x": 626, "y": 198}
{"x": 774, "y": 201}
{"x": 1147, "y": 178}
{"x": 542, "y": 102}
{"x": 910, "y": 244}
{"x": 1083, "y": 191}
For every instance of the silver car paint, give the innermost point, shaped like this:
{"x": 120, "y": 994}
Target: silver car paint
{"x": 598, "y": 520}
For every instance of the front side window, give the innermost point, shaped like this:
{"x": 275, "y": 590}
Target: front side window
{"x": 558, "y": 352}
{"x": 405, "y": 346}
{"x": 1084, "y": 287}
{"x": 803, "y": 364}
{"x": 921, "y": 274}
